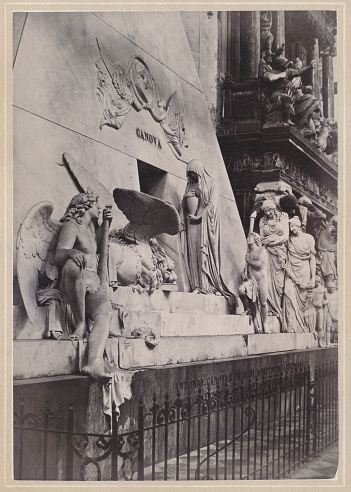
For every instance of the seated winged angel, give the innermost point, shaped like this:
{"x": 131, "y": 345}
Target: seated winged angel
{"x": 79, "y": 241}
{"x": 74, "y": 257}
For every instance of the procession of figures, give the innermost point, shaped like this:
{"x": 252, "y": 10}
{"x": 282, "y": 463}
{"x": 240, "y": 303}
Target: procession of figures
{"x": 291, "y": 268}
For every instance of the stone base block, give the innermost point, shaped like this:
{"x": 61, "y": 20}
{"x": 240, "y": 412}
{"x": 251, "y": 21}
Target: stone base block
{"x": 23, "y": 329}
{"x": 172, "y": 302}
{"x": 165, "y": 324}
{"x": 199, "y": 325}
{"x": 184, "y": 324}
{"x": 306, "y": 341}
{"x": 280, "y": 342}
{"x": 273, "y": 324}
{"x": 135, "y": 353}
{"x": 41, "y": 358}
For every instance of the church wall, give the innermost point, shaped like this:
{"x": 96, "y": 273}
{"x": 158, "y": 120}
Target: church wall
{"x": 202, "y": 33}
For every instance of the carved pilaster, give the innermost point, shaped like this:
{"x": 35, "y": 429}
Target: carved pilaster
{"x": 315, "y": 73}
{"x": 278, "y": 28}
{"x": 250, "y": 44}
{"x": 234, "y": 64}
{"x": 328, "y": 85}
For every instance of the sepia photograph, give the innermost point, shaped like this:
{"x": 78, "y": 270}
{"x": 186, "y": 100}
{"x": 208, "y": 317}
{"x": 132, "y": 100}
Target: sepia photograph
{"x": 175, "y": 245}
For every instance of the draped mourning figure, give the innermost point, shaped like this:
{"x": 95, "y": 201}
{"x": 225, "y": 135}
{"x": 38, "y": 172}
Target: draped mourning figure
{"x": 200, "y": 238}
{"x": 299, "y": 279}
{"x": 274, "y": 232}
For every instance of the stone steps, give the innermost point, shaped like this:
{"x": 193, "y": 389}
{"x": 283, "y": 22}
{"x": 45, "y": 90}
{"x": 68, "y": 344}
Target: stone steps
{"x": 186, "y": 324}
{"x": 134, "y": 353}
{"x": 163, "y": 313}
{"x": 280, "y": 342}
{"x": 172, "y": 302}
{"x": 42, "y": 358}
{"x": 148, "y": 312}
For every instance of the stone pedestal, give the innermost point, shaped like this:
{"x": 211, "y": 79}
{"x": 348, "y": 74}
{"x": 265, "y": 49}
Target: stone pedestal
{"x": 183, "y": 328}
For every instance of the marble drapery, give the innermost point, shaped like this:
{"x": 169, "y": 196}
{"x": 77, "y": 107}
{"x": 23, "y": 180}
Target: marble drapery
{"x": 201, "y": 233}
{"x": 299, "y": 282}
{"x": 274, "y": 232}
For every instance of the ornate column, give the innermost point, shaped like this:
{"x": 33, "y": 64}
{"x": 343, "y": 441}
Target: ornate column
{"x": 250, "y": 44}
{"x": 234, "y": 40}
{"x": 328, "y": 84}
{"x": 278, "y": 28}
{"x": 223, "y": 55}
{"x": 315, "y": 74}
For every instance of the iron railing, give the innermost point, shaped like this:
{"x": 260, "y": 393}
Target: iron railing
{"x": 254, "y": 426}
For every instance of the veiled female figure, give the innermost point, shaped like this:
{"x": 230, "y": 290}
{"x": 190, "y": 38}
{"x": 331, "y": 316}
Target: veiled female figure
{"x": 201, "y": 232}
{"x": 274, "y": 232}
{"x": 300, "y": 279}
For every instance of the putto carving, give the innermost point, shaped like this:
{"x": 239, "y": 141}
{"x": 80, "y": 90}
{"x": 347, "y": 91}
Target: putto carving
{"x": 136, "y": 87}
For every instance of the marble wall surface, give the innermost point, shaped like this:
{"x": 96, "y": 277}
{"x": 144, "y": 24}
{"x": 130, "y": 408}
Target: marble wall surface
{"x": 56, "y": 110}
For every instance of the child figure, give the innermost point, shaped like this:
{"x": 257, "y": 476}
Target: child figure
{"x": 253, "y": 290}
{"x": 319, "y": 301}
{"x": 331, "y": 313}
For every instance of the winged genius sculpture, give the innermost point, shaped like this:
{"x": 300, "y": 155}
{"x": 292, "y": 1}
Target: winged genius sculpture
{"x": 135, "y": 255}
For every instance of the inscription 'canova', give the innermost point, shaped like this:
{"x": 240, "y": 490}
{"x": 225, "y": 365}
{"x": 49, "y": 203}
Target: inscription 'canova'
{"x": 148, "y": 137}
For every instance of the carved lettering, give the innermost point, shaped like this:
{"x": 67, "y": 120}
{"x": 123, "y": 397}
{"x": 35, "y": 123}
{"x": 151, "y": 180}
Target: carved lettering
{"x": 148, "y": 137}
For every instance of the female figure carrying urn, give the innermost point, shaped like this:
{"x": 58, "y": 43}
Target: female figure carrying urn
{"x": 274, "y": 232}
{"x": 201, "y": 231}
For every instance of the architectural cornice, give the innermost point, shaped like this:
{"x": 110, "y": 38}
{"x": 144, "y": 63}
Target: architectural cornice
{"x": 279, "y": 135}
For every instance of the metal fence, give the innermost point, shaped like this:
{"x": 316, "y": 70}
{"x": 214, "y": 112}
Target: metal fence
{"x": 257, "y": 426}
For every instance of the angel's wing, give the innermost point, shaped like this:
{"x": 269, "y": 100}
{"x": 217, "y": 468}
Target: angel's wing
{"x": 117, "y": 74}
{"x": 148, "y": 215}
{"x": 36, "y": 243}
